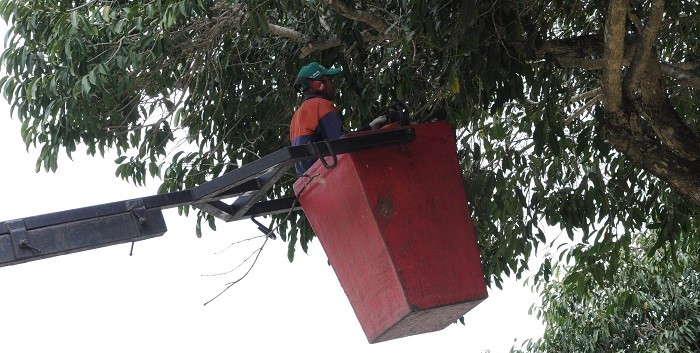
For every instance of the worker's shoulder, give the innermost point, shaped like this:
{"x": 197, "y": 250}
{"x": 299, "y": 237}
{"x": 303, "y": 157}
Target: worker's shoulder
{"x": 319, "y": 103}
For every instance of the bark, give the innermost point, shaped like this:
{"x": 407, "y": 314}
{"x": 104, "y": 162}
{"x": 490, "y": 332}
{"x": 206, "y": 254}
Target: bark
{"x": 640, "y": 120}
{"x": 654, "y": 103}
{"x": 613, "y": 55}
{"x": 585, "y": 52}
{"x": 647, "y": 152}
{"x": 661, "y": 143}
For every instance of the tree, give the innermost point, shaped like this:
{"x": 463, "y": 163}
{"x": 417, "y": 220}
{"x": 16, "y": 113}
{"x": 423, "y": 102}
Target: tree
{"x": 579, "y": 115}
{"x": 652, "y": 305}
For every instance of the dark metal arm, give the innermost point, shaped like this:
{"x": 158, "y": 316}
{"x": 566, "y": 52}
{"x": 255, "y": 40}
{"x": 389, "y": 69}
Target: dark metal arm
{"x": 86, "y": 228}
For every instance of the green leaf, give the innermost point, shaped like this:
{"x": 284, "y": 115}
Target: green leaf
{"x": 74, "y": 19}
{"x": 106, "y": 12}
{"x": 85, "y": 83}
{"x": 538, "y": 136}
{"x": 291, "y": 246}
{"x": 120, "y": 160}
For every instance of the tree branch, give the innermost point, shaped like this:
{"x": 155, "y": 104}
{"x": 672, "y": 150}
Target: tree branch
{"x": 664, "y": 120}
{"x": 288, "y": 33}
{"x": 687, "y": 65}
{"x": 657, "y": 159}
{"x": 590, "y": 104}
{"x": 334, "y": 42}
{"x": 613, "y": 55}
{"x": 644, "y": 88}
{"x": 580, "y": 47}
{"x": 585, "y": 95}
{"x": 645, "y": 50}
{"x": 584, "y": 53}
{"x": 683, "y": 77}
{"x": 357, "y": 15}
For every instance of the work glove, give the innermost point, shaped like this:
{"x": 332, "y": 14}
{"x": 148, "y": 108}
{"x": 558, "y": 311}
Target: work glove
{"x": 378, "y": 122}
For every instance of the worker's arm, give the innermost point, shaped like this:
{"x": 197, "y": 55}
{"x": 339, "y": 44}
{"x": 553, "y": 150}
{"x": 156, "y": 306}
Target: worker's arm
{"x": 375, "y": 124}
{"x": 330, "y": 126}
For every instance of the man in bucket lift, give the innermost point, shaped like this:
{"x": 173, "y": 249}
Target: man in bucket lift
{"x": 317, "y": 118}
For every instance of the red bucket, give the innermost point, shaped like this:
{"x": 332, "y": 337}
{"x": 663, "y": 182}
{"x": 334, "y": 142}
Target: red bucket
{"x": 396, "y": 228}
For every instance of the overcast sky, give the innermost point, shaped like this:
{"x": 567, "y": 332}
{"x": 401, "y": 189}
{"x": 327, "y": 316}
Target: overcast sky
{"x": 105, "y": 300}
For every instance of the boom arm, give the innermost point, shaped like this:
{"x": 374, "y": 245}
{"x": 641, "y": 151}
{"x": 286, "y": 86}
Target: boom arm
{"x": 65, "y": 232}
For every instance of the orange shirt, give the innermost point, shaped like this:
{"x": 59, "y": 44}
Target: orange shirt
{"x": 317, "y": 119}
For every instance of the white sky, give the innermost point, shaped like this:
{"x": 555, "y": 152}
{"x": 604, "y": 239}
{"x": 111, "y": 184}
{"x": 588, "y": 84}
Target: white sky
{"x": 104, "y": 300}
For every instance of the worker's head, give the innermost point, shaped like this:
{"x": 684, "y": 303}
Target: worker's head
{"x": 314, "y": 79}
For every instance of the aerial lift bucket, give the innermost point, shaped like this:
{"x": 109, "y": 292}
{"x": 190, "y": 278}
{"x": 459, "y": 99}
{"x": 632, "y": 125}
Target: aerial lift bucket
{"x": 396, "y": 228}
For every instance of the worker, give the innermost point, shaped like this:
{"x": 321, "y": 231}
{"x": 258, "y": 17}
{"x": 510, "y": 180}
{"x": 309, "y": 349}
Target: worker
{"x": 317, "y": 118}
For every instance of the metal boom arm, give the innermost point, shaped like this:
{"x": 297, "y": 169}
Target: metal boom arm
{"x": 65, "y": 232}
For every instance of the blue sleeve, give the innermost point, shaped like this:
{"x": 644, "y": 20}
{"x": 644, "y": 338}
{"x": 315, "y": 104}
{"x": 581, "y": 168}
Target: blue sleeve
{"x": 330, "y": 126}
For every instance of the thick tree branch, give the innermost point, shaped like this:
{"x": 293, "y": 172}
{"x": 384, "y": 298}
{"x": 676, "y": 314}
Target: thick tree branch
{"x": 342, "y": 9}
{"x": 683, "y": 77}
{"x": 688, "y": 65}
{"x": 645, "y": 50}
{"x": 585, "y": 53}
{"x": 312, "y": 47}
{"x": 582, "y": 47}
{"x": 233, "y": 15}
{"x": 657, "y": 159}
{"x": 613, "y": 55}
{"x": 665, "y": 121}
{"x": 644, "y": 88}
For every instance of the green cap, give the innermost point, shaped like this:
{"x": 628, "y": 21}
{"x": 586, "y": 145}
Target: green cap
{"x": 313, "y": 71}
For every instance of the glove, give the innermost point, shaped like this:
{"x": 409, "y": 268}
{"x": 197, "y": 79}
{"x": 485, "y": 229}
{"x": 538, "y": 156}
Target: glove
{"x": 378, "y": 122}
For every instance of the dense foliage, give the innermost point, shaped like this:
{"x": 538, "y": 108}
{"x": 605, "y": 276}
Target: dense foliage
{"x": 576, "y": 114}
{"x": 654, "y": 307}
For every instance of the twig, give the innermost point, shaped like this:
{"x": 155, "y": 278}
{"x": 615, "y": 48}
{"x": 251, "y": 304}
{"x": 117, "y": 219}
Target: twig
{"x": 239, "y": 265}
{"x": 267, "y": 237}
{"x": 229, "y": 285}
{"x": 238, "y": 242}
{"x": 583, "y": 109}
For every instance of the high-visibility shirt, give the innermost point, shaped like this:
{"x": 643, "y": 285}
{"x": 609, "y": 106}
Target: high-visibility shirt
{"x": 317, "y": 119}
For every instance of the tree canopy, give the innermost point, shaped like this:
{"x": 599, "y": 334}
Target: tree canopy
{"x": 580, "y": 115}
{"x": 654, "y": 307}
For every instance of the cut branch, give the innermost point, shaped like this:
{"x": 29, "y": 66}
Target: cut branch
{"x": 586, "y": 107}
{"x": 312, "y": 47}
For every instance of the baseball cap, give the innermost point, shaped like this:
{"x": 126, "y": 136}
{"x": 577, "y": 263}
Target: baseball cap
{"x": 313, "y": 71}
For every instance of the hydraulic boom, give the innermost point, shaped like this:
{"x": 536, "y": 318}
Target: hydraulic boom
{"x": 59, "y": 233}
